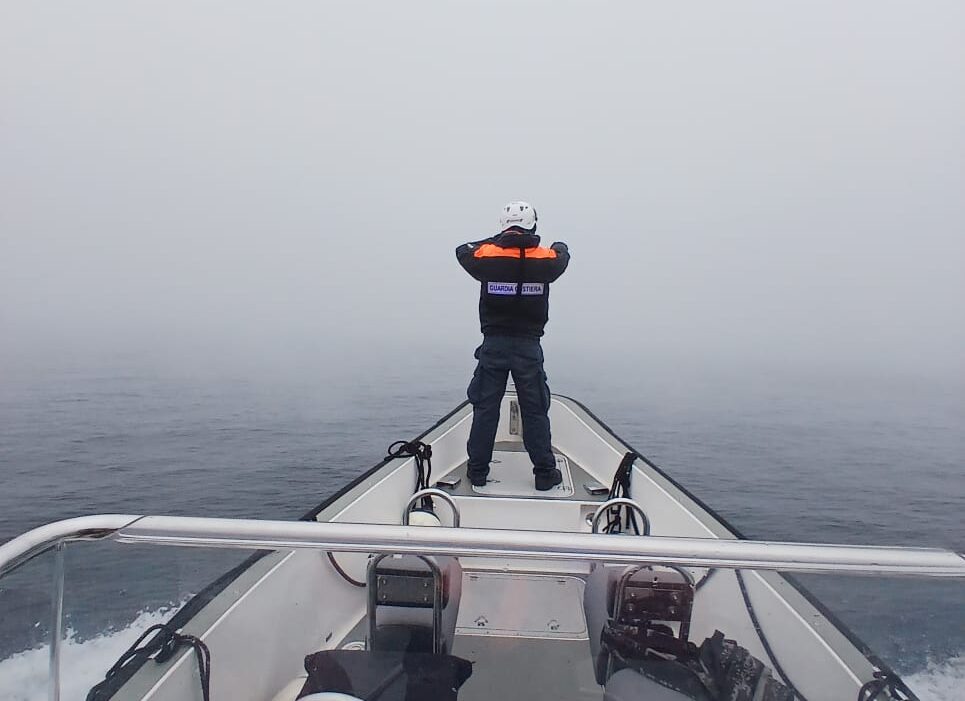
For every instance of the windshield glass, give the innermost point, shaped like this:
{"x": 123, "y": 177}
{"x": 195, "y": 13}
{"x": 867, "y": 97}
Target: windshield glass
{"x": 276, "y": 625}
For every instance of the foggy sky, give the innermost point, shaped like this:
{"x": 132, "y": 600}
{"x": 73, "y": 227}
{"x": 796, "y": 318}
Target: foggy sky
{"x": 746, "y": 182}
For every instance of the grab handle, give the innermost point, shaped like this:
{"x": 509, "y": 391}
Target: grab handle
{"x": 620, "y": 501}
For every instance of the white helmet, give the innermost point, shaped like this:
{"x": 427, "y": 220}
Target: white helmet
{"x": 517, "y": 214}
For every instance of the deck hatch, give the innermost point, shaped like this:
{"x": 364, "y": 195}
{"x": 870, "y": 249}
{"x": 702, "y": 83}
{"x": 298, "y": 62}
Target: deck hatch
{"x": 522, "y": 605}
{"x": 511, "y": 475}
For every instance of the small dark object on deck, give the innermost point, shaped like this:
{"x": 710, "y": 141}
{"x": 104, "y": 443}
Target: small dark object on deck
{"x": 386, "y": 676}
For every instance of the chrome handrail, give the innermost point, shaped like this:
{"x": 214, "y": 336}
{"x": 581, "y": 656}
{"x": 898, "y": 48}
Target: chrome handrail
{"x": 479, "y": 542}
{"x": 619, "y": 501}
{"x": 15, "y": 552}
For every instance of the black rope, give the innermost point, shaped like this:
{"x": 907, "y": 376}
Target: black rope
{"x": 345, "y": 575}
{"x": 884, "y": 681}
{"x": 703, "y": 580}
{"x": 763, "y": 638}
{"x": 422, "y": 453}
{"x": 620, "y": 488}
{"x": 161, "y": 647}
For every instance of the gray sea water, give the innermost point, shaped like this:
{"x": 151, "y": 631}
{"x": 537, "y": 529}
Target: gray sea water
{"x": 817, "y": 456}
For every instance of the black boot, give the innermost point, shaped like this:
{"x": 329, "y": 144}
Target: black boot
{"x": 477, "y": 480}
{"x": 548, "y": 479}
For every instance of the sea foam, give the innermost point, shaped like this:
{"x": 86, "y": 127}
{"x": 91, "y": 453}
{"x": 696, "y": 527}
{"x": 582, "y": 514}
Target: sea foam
{"x": 24, "y": 675}
{"x": 940, "y": 680}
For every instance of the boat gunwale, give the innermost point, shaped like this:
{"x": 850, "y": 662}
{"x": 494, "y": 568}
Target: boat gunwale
{"x": 211, "y": 591}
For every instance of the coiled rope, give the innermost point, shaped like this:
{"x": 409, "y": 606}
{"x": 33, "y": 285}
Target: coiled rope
{"x": 621, "y": 518}
{"x": 884, "y": 680}
{"x": 161, "y": 648}
{"x": 422, "y": 454}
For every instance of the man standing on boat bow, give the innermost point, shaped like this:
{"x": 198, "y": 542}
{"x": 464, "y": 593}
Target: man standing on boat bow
{"x": 514, "y": 273}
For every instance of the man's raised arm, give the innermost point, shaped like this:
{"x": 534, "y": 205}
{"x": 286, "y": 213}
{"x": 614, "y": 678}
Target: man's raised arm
{"x": 465, "y": 254}
{"x": 558, "y": 265}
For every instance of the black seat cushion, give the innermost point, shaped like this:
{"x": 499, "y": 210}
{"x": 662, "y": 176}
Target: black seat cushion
{"x": 386, "y": 675}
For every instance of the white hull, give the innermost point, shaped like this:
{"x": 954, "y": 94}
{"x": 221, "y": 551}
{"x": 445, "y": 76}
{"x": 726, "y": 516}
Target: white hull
{"x": 516, "y": 613}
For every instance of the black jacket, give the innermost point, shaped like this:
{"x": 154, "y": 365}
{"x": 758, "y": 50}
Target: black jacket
{"x": 514, "y": 272}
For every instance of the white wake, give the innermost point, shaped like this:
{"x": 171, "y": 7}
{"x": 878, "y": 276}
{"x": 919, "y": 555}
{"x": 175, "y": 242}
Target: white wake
{"x": 939, "y": 681}
{"x": 24, "y": 675}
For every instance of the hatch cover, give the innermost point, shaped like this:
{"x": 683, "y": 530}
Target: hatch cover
{"x": 511, "y": 475}
{"x": 521, "y": 605}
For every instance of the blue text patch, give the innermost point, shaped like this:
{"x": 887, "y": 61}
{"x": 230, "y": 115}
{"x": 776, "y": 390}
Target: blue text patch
{"x": 509, "y": 288}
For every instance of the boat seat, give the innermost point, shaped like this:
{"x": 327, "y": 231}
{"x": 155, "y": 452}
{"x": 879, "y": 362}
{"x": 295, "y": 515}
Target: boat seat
{"x": 367, "y": 674}
{"x": 597, "y": 605}
{"x": 413, "y": 603}
{"x": 639, "y": 607}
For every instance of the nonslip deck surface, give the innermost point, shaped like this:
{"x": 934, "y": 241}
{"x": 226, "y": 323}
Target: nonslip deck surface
{"x": 525, "y": 634}
{"x": 512, "y": 472}
{"x": 526, "y": 637}
{"x": 527, "y": 669}
{"x": 511, "y": 475}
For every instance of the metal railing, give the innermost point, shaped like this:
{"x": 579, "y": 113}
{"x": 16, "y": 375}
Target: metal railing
{"x": 482, "y": 542}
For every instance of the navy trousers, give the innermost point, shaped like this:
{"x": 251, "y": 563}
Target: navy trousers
{"x": 499, "y": 356}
